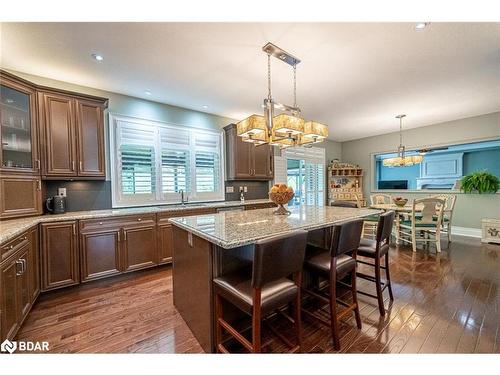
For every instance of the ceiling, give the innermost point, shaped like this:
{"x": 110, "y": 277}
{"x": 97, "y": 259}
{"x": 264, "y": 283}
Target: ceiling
{"x": 355, "y": 77}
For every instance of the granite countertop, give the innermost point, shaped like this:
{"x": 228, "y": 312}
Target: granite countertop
{"x": 237, "y": 228}
{"x": 13, "y": 227}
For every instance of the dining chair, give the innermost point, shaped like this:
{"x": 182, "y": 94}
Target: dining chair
{"x": 370, "y": 222}
{"x": 449, "y": 206}
{"x": 424, "y": 223}
{"x": 380, "y": 199}
{"x": 334, "y": 264}
{"x": 273, "y": 281}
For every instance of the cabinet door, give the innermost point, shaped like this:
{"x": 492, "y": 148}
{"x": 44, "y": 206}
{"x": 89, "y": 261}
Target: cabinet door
{"x": 262, "y": 159}
{"x": 139, "y": 248}
{"x": 20, "y": 196}
{"x": 9, "y": 298}
{"x": 18, "y": 134}
{"x": 90, "y": 129}
{"x": 165, "y": 243}
{"x": 59, "y": 255}
{"x": 239, "y": 165}
{"x": 34, "y": 264}
{"x": 100, "y": 254}
{"x": 23, "y": 282}
{"x": 59, "y": 135}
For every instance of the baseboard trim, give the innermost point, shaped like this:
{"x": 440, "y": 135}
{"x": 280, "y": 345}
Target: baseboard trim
{"x": 468, "y": 232}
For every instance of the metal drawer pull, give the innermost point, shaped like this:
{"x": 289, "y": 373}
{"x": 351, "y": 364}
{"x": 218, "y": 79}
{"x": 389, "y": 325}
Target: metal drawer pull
{"x": 39, "y": 185}
{"x": 37, "y": 161}
{"x": 81, "y": 166}
{"x": 74, "y": 229}
{"x": 100, "y": 223}
{"x": 23, "y": 264}
{"x": 73, "y": 165}
{"x": 139, "y": 219}
{"x": 19, "y": 273}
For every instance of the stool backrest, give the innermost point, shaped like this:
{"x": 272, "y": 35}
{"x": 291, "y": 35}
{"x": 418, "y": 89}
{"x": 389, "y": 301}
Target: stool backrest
{"x": 345, "y": 237}
{"x": 278, "y": 257}
{"x": 344, "y": 204}
{"x": 384, "y": 227}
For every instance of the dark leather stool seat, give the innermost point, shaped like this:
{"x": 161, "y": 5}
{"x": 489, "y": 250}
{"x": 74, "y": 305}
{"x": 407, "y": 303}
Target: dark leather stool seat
{"x": 237, "y": 288}
{"x": 376, "y": 250}
{"x": 368, "y": 248}
{"x": 347, "y": 204}
{"x": 322, "y": 261}
{"x": 263, "y": 289}
{"x": 334, "y": 258}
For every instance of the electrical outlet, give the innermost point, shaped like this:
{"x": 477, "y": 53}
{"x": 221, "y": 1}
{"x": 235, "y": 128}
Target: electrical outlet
{"x": 241, "y": 189}
{"x": 229, "y": 189}
{"x": 61, "y": 192}
{"x": 245, "y": 189}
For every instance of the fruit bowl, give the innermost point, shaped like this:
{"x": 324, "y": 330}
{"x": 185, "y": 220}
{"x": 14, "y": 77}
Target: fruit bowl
{"x": 281, "y": 195}
{"x": 400, "y": 202}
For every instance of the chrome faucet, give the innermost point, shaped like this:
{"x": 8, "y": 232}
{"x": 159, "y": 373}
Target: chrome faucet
{"x": 182, "y": 197}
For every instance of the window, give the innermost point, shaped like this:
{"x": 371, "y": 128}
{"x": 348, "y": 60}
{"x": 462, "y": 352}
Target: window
{"x": 153, "y": 162}
{"x": 442, "y": 167}
{"x": 304, "y": 170}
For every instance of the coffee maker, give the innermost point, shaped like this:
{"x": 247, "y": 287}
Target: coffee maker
{"x": 56, "y": 205}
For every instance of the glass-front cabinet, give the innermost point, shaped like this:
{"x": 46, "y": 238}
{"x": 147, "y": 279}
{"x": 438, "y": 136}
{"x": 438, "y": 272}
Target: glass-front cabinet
{"x": 17, "y": 119}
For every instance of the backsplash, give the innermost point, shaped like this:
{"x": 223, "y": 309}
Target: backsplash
{"x": 96, "y": 195}
{"x": 81, "y": 195}
{"x": 256, "y": 190}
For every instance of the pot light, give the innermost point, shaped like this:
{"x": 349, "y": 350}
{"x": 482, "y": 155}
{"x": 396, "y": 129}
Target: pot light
{"x": 97, "y": 57}
{"x": 421, "y": 25}
{"x": 205, "y": 106}
{"x": 147, "y": 92}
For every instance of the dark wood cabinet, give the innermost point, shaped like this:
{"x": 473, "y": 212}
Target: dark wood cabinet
{"x": 20, "y": 195}
{"x": 165, "y": 243}
{"x": 34, "y": 263}
{"x": 100, "y": 253}
{"x": 72, "y": 131}
{"x": 60, "y": 260}
{"x": 18, "y": 288}
{"x": 244, "y": 161}
{"x": 139, "y": 247}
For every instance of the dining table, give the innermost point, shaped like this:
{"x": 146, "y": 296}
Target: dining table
{"x": 399, "y": 210}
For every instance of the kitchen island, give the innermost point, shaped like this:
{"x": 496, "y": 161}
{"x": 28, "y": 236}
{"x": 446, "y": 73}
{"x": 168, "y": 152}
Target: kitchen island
{"x": 207, "y": 246}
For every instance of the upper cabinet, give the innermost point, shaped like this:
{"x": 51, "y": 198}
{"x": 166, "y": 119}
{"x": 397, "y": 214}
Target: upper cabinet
{"x": 19, "y": 145}
{"x": 244, "y": 161}
{"x": 72, "y": 136}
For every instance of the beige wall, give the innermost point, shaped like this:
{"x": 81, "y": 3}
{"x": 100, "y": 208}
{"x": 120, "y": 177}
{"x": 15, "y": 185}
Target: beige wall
{"x": 470, "y": 208}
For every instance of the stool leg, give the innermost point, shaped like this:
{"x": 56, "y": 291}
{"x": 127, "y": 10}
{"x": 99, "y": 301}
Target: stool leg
{"x": 334, "y": 325}
{"x": 297, "y": 315}
{"x": 218, "y": 328}
{"x": 388, "y": 276}
{"x": 256, "y": 321}
{"x": 355, "y": 299}
{"x": 379, "y": 287}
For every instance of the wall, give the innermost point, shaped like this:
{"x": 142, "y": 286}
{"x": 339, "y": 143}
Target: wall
{"x": 486, "y": 159}
{"x": 97, "y": 194}
{"x": 470, "y": 208}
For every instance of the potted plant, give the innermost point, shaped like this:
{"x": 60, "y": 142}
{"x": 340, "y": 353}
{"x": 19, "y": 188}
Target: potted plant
{"x": 480, "y": 182}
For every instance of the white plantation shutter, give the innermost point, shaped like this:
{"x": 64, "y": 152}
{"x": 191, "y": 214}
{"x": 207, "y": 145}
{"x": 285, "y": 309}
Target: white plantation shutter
{"x": 152, "y": 162}
{"x": 280, "y": 176}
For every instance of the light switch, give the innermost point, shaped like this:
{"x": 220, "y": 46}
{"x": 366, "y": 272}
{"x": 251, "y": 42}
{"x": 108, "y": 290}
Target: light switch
{"x": 229, "y": 189}
{"x": 245, "y": 189}
{"x": 61, "y": 192}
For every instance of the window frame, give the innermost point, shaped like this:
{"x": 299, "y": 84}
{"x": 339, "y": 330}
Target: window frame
{"x": 119, "y": 200}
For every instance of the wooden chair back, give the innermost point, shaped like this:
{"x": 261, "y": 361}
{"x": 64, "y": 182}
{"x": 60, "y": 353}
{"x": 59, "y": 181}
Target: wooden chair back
{"x": 431, "y": 207}
{"x": 380, "y": 199}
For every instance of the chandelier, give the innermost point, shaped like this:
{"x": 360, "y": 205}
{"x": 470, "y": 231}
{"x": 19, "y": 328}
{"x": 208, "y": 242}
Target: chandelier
{"x": 287, "y": 128}
{"x": 402, "y": 160}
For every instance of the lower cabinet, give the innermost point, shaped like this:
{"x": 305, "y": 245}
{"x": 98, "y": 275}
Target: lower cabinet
{"x": 18, "y": 286}
{"x": 115, "y": 245}
{"x": 165, "y": 242}
{"x": 60, "y": 260}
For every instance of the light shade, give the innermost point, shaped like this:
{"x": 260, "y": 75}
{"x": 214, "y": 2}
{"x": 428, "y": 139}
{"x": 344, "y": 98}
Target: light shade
{"x": 406, "y": 161}
{"x": 314, "y": 131}
{"x": 288, "y": 124}
{"x": 251, "y": 126}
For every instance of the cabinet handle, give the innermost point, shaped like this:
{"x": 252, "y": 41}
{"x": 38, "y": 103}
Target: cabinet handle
{"x": 23, "y": 264}
{"x": 119, "y": 239}
{"x": 74, "y": 229}
{"x": 73, "y": 165}
{"x": 37, "y": 161}
{"x": 100, "y": 223}
{"x": 38, "y": 185}
{"x": 19, "y": 273}
{"x": 124, "y": 235}
{"x": 81, "y": 166}
{"x": 140, "y": 219}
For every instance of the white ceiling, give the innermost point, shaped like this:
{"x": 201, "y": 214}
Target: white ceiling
{"x": 355, "y": 77}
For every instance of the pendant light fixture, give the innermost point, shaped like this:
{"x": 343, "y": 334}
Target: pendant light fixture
{"x": 287, "y": 128}
{"x": 402, "y": 160}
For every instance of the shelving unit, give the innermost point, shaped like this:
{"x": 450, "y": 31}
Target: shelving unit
{"x": 345, "y": 182}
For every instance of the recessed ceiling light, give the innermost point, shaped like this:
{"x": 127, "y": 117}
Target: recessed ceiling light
{"x": 421, "y": 25}
{"x": 97, "y": 57}
{"x": 205, "y": 106}
{"x": 147, "y": 92}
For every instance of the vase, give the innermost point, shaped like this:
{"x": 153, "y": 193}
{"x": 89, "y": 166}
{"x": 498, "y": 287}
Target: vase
{"x": 281, "y": 210}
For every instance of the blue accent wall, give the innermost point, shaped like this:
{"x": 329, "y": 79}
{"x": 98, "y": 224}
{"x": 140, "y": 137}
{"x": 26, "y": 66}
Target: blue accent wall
{"x": 484, "y": 159}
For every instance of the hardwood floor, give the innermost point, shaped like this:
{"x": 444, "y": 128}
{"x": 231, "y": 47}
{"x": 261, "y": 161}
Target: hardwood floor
{"x": 446, "y": 303}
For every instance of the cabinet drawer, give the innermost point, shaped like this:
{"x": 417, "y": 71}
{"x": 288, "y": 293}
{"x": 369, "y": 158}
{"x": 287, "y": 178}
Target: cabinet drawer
{"x": 12, "y": 246}
{"x": 164, "y": 216}
{"x": 122, "y": 221}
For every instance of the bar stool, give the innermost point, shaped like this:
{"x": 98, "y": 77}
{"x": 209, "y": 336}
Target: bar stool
{"x": 335, "y": 264}
{"x": 377, "y": 249}
{"x": 265, "y": 290}
{"x": 348, "y": 204}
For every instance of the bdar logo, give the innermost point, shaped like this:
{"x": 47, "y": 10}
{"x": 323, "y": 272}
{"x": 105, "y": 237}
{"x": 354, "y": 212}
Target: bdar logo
{"x": 8, "y": 346}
